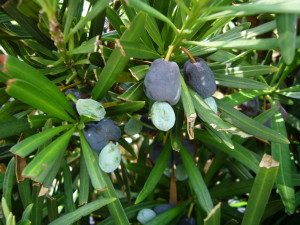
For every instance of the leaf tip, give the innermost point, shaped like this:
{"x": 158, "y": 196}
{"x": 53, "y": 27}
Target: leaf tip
{"x": 268, "y": 162}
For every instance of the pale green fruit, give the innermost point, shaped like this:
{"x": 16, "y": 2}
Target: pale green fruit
{"x": 90, "y": 109}
{"x": 109, "y": 158}
{"x": 210, "y": 101}
{"x": 162, "y": 116}
{"x": 145, "y": 215}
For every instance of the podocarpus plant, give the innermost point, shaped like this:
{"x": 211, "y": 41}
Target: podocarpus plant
{"x": 235, "y": 169}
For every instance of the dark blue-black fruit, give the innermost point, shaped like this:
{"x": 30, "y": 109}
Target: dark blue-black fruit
{"x": 98, "y": 134}
{"x": 77, "y": 93}
{"x": 187, "y": 221}
{"x": 251, "y": 107}
{"x": 162, "y": 82}
{"x": 155, "y": 151}
{"x": 200, "y": 77}
{"x": 162, "y": 208}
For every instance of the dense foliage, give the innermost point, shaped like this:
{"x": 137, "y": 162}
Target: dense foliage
{"x": 91, "y": 131}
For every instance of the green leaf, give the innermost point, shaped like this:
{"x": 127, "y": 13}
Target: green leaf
{"x": 155, "y": 174}
{"x": 84, "y": 183}
{"x": 8, "y": 182}
{"x": 287, "y": 31}
{"x": 28, "y": 145}
{"x": 238, "y": 98}
{"x": 27, "y": 212}
{"x": 27, "y": 23}
{"x": 252, "y": 44}
{"x": 246, "y": 71}
{"x": 240, "y": 82}
{"x": 259, "y": 7}
{"x": 68, "y": 188}
{"x": 134, "y": 93}
{"x": 25, "y": 192}
{"x": 215, "y": 123}
{"x": 228, "y": 189}
{"x": 118, "y": 60}
{"x": 128, "y": 147}
{"x": 92, "y": 45}
{"x": 295, "y": 88}
{"x": 261, "y": 190}
{"x": 138, "y": 50}
{"x": 98, "y": 7}
{"x": 293, "y": 121}
{"x": 214, "y": 217}
{"x": 188, "y": 107}
{"x": 85, "y": 210}
{"x": 13, "y": 126}
{"x": 203, "y": 197}
{"x": 126, "y": 107}
{"x": 151, "y": 11}
{"x": 114, "y": 19}
{"x": 33, "y": 96}
{"x": 39, "y": 168}
{"x": 72, "y": 11}
{"x": 154, "y": 33}
{"x": 281, "y": 153}
{"x": 139, "y": 72}
{"x": 249, "y": 125}
{"x": 240, "y": 153}
{"x": 15, "y": 68}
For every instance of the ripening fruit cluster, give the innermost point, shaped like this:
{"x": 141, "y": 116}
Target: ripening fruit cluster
{"x": 162, "y": 85}
{"x": 100, "y": 132}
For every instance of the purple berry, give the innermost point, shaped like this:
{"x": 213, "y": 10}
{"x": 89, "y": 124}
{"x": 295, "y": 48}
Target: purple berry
{"x": 100, "y": 133}
{"x": 200, "y": 77}
{"x": 162, "y": 82}
{"x": 251, "y": 107}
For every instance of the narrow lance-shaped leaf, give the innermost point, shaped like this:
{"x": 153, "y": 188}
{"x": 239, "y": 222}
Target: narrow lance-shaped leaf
{"x": 85, "y": 210}
{"x": 84, "y": 183}
{"x": 155, "y": 174}
{"x": 25, "y": 147}
{"x": 118, "y": 59}
{"x": 263, "y": 6}
{"x": 151, "y": 11}
{"x": 281, "y": 153}
{"x": 188, "y": 107}
{"x": 216, "y": 124}
{"x": 287, "y": 31}
{"x": 261, "y": 190}
{"x": 253, "y": 44}
{"x": 96, "y": 9}
{"x": 240, "y": 82}
{"x": 39, "y": 168}
{"x": 8, "y": 182}
{"x": 15, "y": 68}
{"x": 13, "y": 126}
{"x": 31, "y": 95}
{"x": 249, "y": 125}
{"x": 203, "y": 197}
{"x": 214, "y": 217}
{"x": 240, "y": 153}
